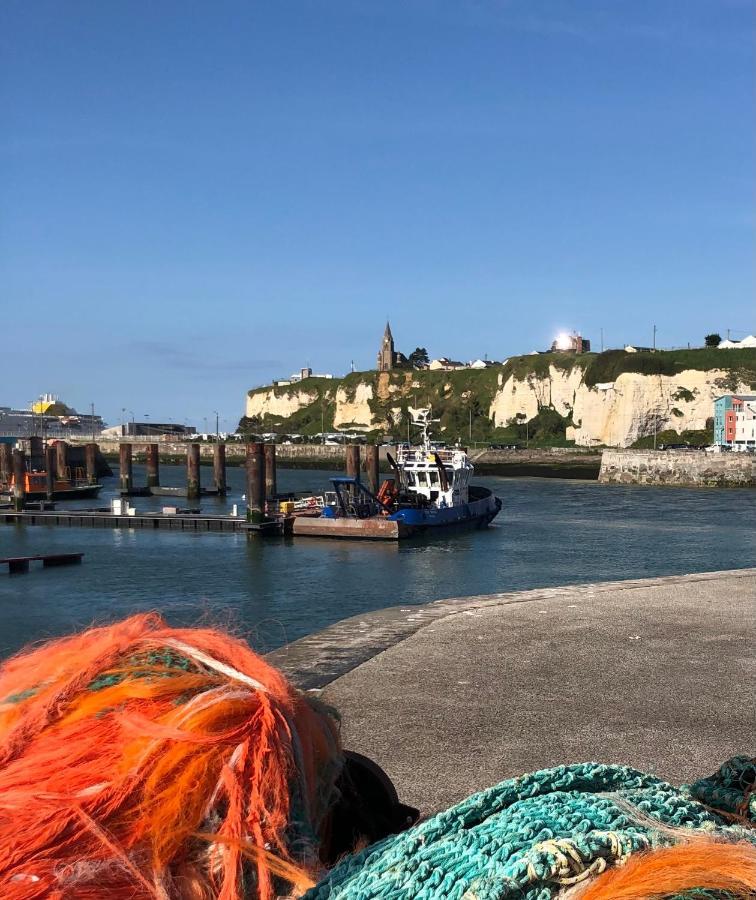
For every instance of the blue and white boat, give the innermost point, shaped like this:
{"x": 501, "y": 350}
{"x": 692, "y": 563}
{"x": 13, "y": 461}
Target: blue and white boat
{"x": 430, "y": 489}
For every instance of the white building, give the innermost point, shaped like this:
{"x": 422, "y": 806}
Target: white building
{"x": 749, "y": 341}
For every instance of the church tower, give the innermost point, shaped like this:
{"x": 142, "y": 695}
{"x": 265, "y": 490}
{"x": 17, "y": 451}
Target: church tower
{"x": 386, "y": 355}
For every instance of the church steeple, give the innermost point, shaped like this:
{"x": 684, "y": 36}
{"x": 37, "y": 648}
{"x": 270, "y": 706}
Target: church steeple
{"x": 386, "y": 355}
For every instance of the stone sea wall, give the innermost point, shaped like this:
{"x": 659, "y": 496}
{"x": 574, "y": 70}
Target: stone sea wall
{"x": 682, "y": 468}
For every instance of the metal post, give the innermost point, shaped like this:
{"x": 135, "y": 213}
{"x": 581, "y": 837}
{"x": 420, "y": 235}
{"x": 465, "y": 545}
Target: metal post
{"x": 255, "y": 482}
{"x": 50, "y": 471}
{"x": 271, "y": 488}
{"x": 61, "y": 448}
{"x": 124, "y": 465}
{"x": 19, "y": 478}
{"x": 372, "y": 467}
{"x": 193, "y": 471}
{"x": 90, "y": 457}
{"x": 219, "y": 468}
{"x": 152, "y": 459}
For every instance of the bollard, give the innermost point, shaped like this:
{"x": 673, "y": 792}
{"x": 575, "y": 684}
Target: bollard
{"x": 255, "y": 483}
{"x": 61, "y": 464}
{"x": 271, "y": 488}
{"x": 19, "y": 480}
{"x": 372, "y": 467}
{"x": 193, "y": 471}
{"x": 6, "y": 462}
{"x": 219, "y": 468}
{"x": 124, "y": 462}
{"x": 50, "y": 471}
{"x": 90, "y": 462}
{"x": 152, "y": 459}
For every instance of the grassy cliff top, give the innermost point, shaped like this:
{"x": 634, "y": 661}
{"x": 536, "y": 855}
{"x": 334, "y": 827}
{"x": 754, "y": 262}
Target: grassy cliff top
{"x": 597, "y": 368}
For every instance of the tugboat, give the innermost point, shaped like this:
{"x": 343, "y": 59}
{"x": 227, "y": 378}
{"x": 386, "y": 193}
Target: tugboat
{"x": 430, "y": 489}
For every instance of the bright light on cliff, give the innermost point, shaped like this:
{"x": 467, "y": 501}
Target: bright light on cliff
{"x": 564, "y": 341}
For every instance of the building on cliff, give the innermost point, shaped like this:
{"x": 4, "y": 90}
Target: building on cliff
{"x": 388, "y": 357}
{"x": 570, "y": 343}
{"x": 735, "y": 420}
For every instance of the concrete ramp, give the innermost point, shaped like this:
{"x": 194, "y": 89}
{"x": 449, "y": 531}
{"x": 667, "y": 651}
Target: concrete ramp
{"x": 454, "y": 696}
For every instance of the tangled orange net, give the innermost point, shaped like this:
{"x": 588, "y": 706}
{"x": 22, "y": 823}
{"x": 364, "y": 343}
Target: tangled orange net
{"x": 142, "y": 761}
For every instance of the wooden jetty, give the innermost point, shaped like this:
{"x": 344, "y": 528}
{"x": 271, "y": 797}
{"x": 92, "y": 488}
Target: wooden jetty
{"x": 186, "y": 521}
{"x": 21, "y": 563}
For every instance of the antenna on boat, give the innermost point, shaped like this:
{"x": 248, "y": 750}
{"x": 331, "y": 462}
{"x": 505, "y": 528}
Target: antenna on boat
{"x": 421, "y": 418}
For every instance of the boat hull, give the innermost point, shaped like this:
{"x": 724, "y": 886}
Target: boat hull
{"x": 479, "y": 512}
{"x": 80, "y": 492}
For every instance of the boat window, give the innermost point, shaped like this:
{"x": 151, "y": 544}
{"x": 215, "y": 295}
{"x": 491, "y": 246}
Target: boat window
{"x": 410, "y": 477}
{"x": 433, "y": 477}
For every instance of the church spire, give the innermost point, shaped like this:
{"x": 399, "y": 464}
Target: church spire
{"x": 387, "y": 336}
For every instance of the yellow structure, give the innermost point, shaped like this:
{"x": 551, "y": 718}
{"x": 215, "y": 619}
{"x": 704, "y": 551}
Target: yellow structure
{"x": 47, "y": 405}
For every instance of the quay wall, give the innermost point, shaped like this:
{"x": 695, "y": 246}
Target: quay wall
{"x": 678, "y": 467}
{"x": 554, "y": 462}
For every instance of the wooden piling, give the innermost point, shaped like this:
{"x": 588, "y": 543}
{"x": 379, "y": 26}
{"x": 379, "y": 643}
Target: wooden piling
{"x": 152, "y": 458}
{"x": 255, "y": 482}
{"x": 372, "y": 467}
{"x": 124, "y": 461}
{"x": 6, "y": 461}
{"x": 19, "y": 479}
{"x": 271, "y": 488}
{"x": 353, "y": 465}
{"x": 219, "y": 468}
{"x": 50, "y": 470}
{"x": 36, "y": 453}
{"x": 193, "y": 471}
{"x": 90, "y": 462}
{"x": 61, "y": 464}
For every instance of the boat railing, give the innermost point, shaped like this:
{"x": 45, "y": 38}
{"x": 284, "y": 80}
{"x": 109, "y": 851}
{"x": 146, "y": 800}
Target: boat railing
{"x": 422, "y": 456}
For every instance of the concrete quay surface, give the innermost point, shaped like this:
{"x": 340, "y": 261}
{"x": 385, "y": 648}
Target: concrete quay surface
{"x": 454, "y": 696}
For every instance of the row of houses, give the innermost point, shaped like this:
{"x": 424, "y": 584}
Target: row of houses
{"x": 735, "y": 420}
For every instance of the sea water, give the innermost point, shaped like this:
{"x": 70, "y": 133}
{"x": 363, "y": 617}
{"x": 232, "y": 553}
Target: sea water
{"x": 273, "y": 590}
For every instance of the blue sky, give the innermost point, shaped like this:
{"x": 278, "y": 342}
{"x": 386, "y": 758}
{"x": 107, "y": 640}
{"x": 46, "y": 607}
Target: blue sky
{"x": 198, "y": 197}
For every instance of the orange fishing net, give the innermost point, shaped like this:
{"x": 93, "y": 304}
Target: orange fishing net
{"x": 142, "y": 761}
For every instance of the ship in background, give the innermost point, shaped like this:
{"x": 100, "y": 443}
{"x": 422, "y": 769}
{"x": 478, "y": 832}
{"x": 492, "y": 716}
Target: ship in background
{"x": 49, "y": 417}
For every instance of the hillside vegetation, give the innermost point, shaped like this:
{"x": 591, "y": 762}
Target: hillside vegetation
{"x": 462, "y": 399}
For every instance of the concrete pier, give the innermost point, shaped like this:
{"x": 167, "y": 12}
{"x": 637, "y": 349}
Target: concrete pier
{"x": 152, "y": 462}
{"x": 19, "y": 480}
{"x": 255, "y": 482}
{"x": 192, "y": 472}
{"x": 50, "y": 471}
{"x": 125, "y": 466}
{"x": 90, "y": 462}
{"x": 372, "y": 470}
{"x": 61, "y": 461}
{"x": 454, "y": 696}
{"x": 271, "y": 487}
{"x": 219, "y": 469}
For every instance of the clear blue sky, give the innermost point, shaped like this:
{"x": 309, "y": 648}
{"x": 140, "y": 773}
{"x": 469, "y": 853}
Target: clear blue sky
{"x": 198, "y": 197}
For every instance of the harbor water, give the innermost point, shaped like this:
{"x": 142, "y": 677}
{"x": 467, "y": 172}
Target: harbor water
{"x": 274, "y": 590}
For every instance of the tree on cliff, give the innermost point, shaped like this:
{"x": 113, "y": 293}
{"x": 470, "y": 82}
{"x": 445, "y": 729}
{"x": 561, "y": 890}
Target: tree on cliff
{"x": 419, "y": 358}
{"x": 713, "y": 340}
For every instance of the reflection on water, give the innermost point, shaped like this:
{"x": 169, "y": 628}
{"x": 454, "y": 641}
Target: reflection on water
{"x": 549, "y": 532}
